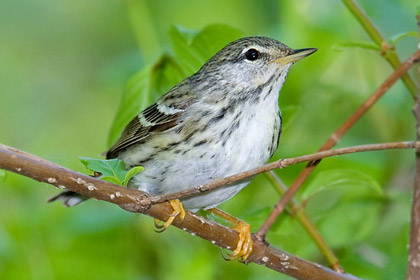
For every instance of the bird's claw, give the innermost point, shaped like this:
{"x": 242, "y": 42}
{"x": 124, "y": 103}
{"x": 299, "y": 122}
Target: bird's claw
{"x": 244, "y": 246}
{"x": 178, "y": 211}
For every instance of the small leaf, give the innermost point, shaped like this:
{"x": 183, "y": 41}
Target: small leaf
{"x": 396, "y": 38}
{"x": 112, "y": 179}
{"x": 361, "y": 44}
{"x": 2, "y": 174}
{"x": 108, "y": 168}
{"x": 133, "y": 171}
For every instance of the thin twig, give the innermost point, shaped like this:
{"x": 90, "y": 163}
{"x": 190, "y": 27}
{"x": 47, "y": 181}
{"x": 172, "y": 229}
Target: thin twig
{"x": 336, "y": 137}
{"x": 44, "y": 171}
{"x": 413, "y": 268}
{"x": 281, "y": 164}
{"x": 388, "y": 51}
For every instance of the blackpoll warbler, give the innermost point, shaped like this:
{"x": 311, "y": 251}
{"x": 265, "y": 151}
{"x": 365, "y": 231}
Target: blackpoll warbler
{"x": 220, "y": 121}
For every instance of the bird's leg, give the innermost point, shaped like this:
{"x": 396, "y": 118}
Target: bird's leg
{"x": 244, "y": 246}
{"x": 178, "y": 211}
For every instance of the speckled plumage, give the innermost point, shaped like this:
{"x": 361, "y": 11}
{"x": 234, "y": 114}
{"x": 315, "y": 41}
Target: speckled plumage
{"x": 220, "y": 121}
{"x": 225, "y": 119}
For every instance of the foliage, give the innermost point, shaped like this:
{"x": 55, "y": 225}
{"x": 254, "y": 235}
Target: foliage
{"x": 66, "y": 67}
{"x": 111, "y": 170}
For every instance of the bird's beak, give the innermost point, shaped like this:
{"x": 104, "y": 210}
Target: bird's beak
{"x": 296, "y": 55}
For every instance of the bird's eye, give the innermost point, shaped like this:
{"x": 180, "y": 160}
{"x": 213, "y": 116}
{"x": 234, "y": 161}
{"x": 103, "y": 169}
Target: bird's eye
{"x": 252, "y": 54}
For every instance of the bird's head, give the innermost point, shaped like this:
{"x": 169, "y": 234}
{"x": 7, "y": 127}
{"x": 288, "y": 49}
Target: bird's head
{"x": 250, "y": 63}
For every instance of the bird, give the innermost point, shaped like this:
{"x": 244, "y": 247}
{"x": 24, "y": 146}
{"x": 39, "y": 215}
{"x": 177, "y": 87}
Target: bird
{"x": 222, "y": 120}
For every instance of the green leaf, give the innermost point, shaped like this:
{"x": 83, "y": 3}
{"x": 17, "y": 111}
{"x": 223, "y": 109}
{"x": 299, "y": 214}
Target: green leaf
{"x": 344, "y": 204}
{"x": 213, "y": 38}
{"x": 112, "y": 170}
{"x": 135, "y": 96}
{"x": 330, "y": 186}
{"x": 2, "y": 174}
{"x": 396, "y": 38}
{"x": 192, "y": 54}
{"x": 165, "y": 75}
{"x": 362, "y": 44}
{"x": 107, "y": 167}
{"x": 189, "y": 58}
{"x": 133, "y": 171}
{"x": 144, "y": 88}
{"x": 349, "y": 222}
{"x": 112, "y": 179}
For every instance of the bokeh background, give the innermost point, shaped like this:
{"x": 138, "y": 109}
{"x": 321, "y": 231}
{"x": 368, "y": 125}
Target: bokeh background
{"x": 63, "y": 69}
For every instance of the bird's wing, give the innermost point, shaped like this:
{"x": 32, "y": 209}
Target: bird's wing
{"x": 158, "y": 117}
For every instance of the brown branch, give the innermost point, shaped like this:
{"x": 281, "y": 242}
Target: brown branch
{"x": 132, "y": 200}
{"x": 335, "y": 138}
{"x": 413, "y": 268}
{"x": 281, "y": 163}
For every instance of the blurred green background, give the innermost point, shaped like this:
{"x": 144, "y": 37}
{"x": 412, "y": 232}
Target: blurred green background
{"x": 63, "y": 70}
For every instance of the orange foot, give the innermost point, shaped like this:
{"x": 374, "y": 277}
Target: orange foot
{"x": 178, "y": 210}
{"x": 244, "y": 245}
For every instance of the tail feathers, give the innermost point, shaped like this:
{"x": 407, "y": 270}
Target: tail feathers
{"x": 68, "y": 198}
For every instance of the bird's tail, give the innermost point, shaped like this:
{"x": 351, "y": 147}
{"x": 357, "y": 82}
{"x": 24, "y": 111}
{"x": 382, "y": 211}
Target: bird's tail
{"x": 68, "y": 198}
